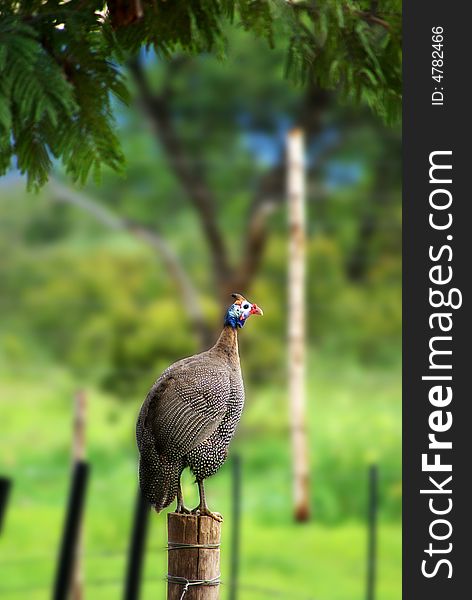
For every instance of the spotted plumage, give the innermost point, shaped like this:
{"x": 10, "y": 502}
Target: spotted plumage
{"x": 190, "y": 415}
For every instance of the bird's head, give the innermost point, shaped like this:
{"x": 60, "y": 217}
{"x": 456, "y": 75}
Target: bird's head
{"x": 240, "y": 310}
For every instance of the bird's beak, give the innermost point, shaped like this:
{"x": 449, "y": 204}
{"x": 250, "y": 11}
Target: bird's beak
{"x": 255, "y": 310}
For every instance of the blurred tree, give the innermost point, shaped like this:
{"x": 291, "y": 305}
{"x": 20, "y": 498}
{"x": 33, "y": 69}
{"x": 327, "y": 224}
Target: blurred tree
{"x": 59, "y": 63}
{"x": 231, "y": 135}
{"x": 197, "y": 107}
{"x": 184, "y": 160}
{"x": 385, "y": 182}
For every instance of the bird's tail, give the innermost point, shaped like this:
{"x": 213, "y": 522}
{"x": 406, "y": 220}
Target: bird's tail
{"x": 159, "y": 478}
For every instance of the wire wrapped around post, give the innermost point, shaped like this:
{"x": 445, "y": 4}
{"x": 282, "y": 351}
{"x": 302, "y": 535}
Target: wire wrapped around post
{"x": 193, "y": 557}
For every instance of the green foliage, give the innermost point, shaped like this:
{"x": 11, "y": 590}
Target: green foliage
{"x": 100, "y": 303}
{"x": 59, "y": 65}
{"x": 111, "y": 319}
{"x": 341, "y": 45}
{"x": 56, "y": 77}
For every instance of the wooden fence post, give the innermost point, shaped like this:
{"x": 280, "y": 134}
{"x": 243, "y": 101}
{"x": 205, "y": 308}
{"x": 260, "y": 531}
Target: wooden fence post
{"x": 296, "y": 321}
{"x": 193, "y": 557}
{"x": 68, "y": 580}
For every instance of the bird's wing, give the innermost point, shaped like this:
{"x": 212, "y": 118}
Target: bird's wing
{"x": 187, "y": 405}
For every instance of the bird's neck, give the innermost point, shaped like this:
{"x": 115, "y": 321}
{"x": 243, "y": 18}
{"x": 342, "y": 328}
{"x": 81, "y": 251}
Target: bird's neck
{"x": 228, "y": 341}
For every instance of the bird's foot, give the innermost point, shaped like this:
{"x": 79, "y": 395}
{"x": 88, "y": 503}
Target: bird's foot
{"x": 182, "y": 510}
{"x": 204, "y": 511}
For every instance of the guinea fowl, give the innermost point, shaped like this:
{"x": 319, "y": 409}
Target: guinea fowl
{"x": 190, "y": 415}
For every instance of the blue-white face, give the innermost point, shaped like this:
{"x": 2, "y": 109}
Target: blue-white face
{"x": 240, "y": 310}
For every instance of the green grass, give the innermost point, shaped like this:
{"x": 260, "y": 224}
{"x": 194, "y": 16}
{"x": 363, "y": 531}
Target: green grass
{"x": 305, "y": 561}
{"x": 354, "y": 418}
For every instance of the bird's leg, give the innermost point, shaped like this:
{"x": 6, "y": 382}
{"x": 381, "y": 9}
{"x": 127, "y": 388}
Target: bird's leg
{"x": 202, "y": 509}
{"x": 180, "y": 502}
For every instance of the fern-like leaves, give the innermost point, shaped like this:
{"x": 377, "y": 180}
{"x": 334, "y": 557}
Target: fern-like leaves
{"x": 59, "y": 64}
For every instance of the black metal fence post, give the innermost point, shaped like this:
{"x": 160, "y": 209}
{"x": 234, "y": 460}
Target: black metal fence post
{"x": 70, "y": 534}
{"x": 235, "y": 534}
{"x": 136, "y": 548}
{"x": 372, "y": 532}
{"x": 5, "y": 487}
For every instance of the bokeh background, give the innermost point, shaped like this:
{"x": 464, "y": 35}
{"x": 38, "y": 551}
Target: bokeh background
{"x": 90, "y": 302}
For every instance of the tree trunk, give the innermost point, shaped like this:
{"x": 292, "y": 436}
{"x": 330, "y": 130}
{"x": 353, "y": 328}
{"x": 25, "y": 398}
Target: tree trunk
{"x": 296, "y": 323}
